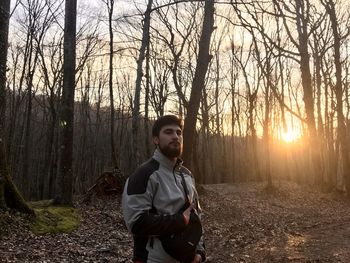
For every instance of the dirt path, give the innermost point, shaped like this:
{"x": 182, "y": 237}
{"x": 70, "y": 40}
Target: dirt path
{"x": 294, "y": 225}
{"x": 242, "y": 224}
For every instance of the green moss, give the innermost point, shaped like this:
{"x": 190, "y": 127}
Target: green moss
{"x": 41, "y": 203}
{"x": 55, "y": 219}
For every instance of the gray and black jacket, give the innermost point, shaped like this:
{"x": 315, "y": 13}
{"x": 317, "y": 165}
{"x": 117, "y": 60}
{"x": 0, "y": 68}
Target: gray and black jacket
{"x": 152, "y": 201}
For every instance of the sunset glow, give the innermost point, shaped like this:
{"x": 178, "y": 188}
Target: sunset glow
{"x": 290, "y": 136}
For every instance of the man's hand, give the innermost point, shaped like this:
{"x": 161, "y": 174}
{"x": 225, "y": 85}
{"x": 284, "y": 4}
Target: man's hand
{"x": 187, "y": 213}
{"x": 197, "y": 259}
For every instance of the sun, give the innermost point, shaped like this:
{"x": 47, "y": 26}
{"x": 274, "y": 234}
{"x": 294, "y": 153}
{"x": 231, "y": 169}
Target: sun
{"x": 290, "y": 136}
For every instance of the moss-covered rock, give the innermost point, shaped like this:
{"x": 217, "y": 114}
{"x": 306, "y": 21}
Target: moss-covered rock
{"x": 55, "y": 219}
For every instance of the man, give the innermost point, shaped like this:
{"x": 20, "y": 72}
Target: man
{"x": 154, "y": 195}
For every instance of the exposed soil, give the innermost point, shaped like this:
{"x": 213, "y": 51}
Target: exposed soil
{"x": 242, "y": 224}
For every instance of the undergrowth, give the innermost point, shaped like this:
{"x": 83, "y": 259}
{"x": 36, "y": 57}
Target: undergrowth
{"x": 54, "y": 219}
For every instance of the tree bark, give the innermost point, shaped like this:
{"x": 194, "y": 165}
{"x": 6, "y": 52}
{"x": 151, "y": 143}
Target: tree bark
{"x": 4, "y": 28}
{"x": 110, "y": 6}
{"x": 330, "y": 8}
{"x": 198, "y": 81}
{"x": 27, "y": 134}
{"x": 9, "y": 195}
{"x": 302, "y": 9}
{"x": 66, "y": 123}
{"x": 139, "y": 75}
{"x": 234, "y": 77}
{"x": 147, "y": 89}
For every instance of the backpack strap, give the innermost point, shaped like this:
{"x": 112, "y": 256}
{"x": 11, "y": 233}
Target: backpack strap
{"x": 184, "y": 185}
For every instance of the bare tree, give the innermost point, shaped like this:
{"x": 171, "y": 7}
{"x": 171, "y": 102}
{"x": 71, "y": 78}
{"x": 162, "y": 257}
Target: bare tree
{"x": 198, "y": 81}
{"x": 40, "y": 18}
{"x": 110, "y": 8}
{"x": 65, "y": 168}
{"x": 159, "y": 87}
{"x": 147, "y": 100}
{"x": 9, "y": 195}
{"x": 302, "y": 12}
{"x": 330, "y": 9}
{"x": 233, "y": 76}
{"x": 52, "y": 78}
{"x": 139, "y": 75}
{"x": 180, "y": 32}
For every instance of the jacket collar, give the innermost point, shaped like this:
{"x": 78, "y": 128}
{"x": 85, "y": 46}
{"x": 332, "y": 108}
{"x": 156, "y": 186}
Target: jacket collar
{"x": 165, "y": 161}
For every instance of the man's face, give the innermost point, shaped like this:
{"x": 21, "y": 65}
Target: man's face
{"x": 169, "y": 141}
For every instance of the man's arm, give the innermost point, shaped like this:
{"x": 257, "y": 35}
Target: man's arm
{"x": 158, "y": 225}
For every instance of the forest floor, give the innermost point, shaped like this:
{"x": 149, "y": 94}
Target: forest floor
{"x": 242, "y": 223}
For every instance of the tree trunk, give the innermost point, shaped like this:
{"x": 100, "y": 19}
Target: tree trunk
{"x": 28, "y": 136}
{"x": 330, "y": 8}
{"x": 233, "y": 123}
{"x": 9, "y": 195}
{"x": 302, "y": 28}
{"x": 266, "y": 134}
{"x": 146, "y": 121}
{"x": 198, "y": 81}
{"x": 139, "y": 74}
{"x": 110, "y": 6}
{"x": 255, "y": 169}
{"x": 66, "y": 123}
{"x": 207, "y": 176}
{"x": 4, "y": 28}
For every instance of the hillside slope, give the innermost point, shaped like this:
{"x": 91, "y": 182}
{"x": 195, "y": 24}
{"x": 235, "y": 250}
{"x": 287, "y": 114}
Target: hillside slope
{"x": 242, "y": 224}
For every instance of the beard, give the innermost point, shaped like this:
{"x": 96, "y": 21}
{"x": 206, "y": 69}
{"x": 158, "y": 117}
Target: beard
{"x": 171, "y": 150}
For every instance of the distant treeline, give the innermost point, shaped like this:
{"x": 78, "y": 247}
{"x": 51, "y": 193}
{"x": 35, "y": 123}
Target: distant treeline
{"x": 218, "y": 158}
